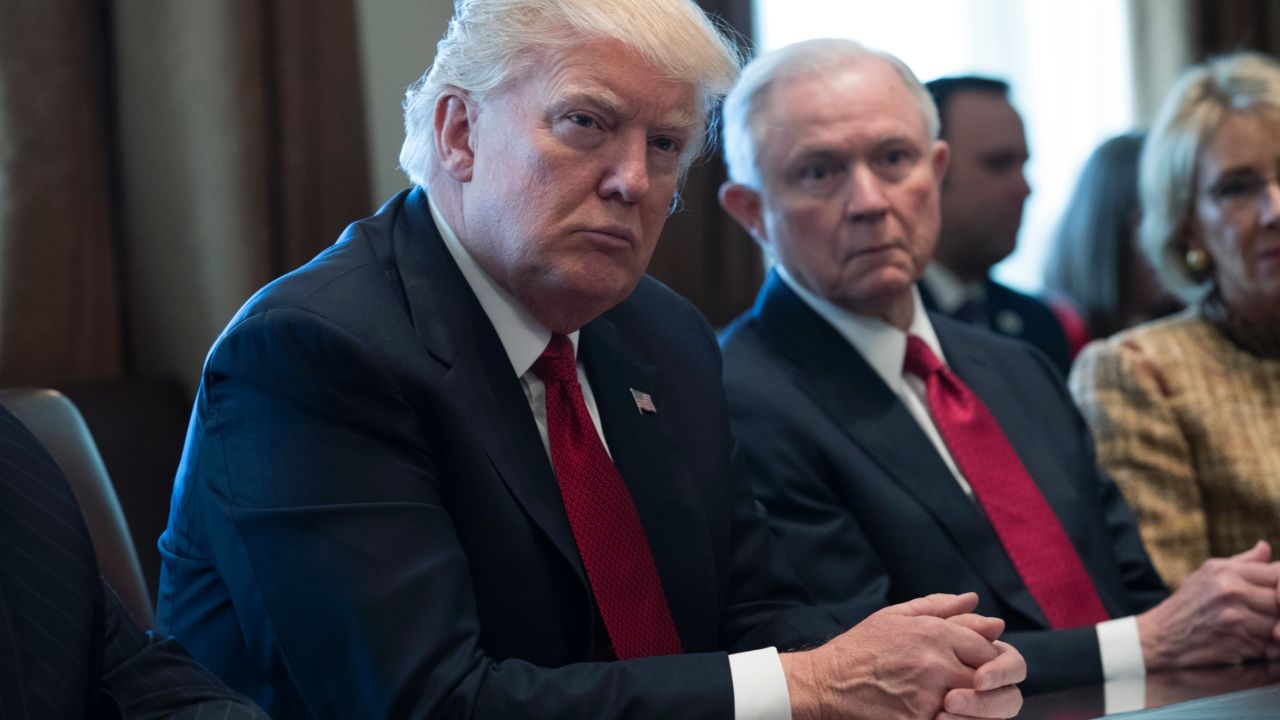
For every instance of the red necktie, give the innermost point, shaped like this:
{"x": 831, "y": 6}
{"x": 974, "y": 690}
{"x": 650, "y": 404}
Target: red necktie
{"x": 1027, "y": 527}
{"x": 605, "y": 525}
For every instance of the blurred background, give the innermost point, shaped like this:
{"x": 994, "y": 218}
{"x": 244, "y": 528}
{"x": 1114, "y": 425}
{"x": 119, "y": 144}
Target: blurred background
{"x": 160, "y": 160}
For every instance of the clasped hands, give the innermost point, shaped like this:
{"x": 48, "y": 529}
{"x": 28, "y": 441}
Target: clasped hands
{"x": 927, "y": 658}
{"x": 1226, "y": 612}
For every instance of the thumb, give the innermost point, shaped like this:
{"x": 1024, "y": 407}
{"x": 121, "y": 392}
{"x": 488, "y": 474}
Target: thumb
{"x": 1260, "y": 552}
{"x": 937, "y": 605}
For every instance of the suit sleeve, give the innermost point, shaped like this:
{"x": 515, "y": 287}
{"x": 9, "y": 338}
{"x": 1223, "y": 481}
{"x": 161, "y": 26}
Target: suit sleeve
{"x": 151, "y": 677}
{"x": 326, "y": 510}
{"x": 787, "y": 467}
{"x": 1120, "y": 391}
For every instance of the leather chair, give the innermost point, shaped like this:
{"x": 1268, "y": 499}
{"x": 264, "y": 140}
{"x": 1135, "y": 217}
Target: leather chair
{"x": 57, "y": 424}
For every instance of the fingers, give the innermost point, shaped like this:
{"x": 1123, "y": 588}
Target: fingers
{"x": 961, "y": 704}
{"x": 969, "y": 647}
{"x": 1262, "y": 574}
{"x": 1273, "y": 650}
{"x": 937, "y": 605}
{"x": 1007, "y": 668}
{"x": 1260, "y": 552}
{"x": 988, "y": 627}
{"x": 1245, "y": 622}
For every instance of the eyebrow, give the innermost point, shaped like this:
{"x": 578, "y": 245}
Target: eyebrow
{"x": 1234, "y": 171}
{"x": 611, "y": 102}
{"x": 827, "y": 149}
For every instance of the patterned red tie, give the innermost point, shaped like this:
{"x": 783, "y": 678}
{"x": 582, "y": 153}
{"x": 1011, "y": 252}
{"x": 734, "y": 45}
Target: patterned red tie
{"x": 1032, "y": 536}
{"x": 605, "y": 525}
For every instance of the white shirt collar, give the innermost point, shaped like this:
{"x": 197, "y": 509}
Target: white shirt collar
{"x": 949, "y": 291}
{"x": 882, "y": 345}
{"x": 523, "y": 337}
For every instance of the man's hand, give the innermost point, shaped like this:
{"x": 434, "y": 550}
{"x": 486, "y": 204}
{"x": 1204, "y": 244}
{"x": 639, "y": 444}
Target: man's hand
{"x": 1225, "y": 612}
{"x": 923, "y": 659}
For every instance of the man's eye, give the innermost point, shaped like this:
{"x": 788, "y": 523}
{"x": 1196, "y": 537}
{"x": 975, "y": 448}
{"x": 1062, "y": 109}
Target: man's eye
{"x": 1239, "y": 187}
{"x": 813, "y": 173}
{"x": 582, "y": 120}
{"x": 666, "y": 145}
{"x": 897, "y": 157}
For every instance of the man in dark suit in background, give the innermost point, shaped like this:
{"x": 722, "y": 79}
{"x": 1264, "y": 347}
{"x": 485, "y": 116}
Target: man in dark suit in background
{"x": 901, "y": 453}
{"x": 68, "y": 649}
{"x": 469, "y": 456}
{"x": 982, "y": 198}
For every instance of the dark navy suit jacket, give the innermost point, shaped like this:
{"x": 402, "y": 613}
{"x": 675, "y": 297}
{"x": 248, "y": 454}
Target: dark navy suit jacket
{"x": 868, "y": 510}
{"x": 68, "y": 649}
{"x": 366, "y": 522}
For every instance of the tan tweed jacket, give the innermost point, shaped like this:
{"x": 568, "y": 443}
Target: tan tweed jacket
{"x": 1188, "y": 425}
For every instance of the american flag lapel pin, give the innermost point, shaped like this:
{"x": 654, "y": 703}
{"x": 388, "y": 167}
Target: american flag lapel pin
{"x": 644, "y": 401}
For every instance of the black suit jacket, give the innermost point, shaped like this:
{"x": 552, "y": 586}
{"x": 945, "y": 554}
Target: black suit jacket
{"x": 68, "y": 649}
{"x": 868, "y": 510}
{"x": 366, "y": 522}
{"x": 1022, "y": 317}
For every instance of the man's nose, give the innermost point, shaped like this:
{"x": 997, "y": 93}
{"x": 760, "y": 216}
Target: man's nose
{"x": 1023, "y": 187}
{"x": 867, "y": 199}
{"x": 627, "y": 176}
{"x": 1269, "y": 208}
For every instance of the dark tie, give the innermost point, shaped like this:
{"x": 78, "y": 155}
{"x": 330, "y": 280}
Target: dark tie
{"x": 1027, "y": 527}
{"x": 605, "y": 525}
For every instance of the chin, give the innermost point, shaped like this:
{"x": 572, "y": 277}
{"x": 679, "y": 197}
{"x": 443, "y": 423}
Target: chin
{"x": 605, "y": 281}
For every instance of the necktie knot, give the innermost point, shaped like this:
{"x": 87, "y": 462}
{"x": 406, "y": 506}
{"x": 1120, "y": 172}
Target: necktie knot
{"x": 557, "y": 363}
{"x": 920, "y": 360}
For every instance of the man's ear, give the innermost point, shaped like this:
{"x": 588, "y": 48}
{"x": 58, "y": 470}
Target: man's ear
{"x": 743, "y": 204}
{"x": 940, "y": 159}
{"x": 454, "y": 124}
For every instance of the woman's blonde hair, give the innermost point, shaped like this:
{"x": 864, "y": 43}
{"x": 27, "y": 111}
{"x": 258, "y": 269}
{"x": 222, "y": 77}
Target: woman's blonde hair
{"x": 1244, "y": 82}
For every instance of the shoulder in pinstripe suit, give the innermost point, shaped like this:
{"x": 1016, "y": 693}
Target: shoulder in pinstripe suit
{"x": 67, "y": 647}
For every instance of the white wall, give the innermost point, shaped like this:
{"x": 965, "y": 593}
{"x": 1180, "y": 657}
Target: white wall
{"x": 398, "y": 41}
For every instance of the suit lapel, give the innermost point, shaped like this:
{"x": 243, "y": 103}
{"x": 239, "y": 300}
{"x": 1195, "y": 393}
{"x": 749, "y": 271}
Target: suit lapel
{"x": 641, "y": 447}
{"x": 455, "y": 330}
{"x": 849, "y": 391}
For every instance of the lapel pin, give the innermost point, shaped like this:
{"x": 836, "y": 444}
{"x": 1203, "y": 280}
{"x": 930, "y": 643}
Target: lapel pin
{"x": 644, "y": 401}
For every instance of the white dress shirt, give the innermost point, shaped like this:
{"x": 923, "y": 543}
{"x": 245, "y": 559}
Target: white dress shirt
{"x": 884, "y": 347}
{"x": 759, "y": 685}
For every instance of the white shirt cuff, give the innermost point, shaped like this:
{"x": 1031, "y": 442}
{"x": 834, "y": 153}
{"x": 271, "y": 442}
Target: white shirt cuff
{"x": 1123, "y": 670}
{"x": 760, "y": 686}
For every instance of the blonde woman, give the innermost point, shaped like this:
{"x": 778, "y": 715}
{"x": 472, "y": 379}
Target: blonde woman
{"x": 1186, "y": 410}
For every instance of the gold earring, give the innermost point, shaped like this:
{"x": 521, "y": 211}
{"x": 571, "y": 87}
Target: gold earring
{"x": 1197, "y": 260}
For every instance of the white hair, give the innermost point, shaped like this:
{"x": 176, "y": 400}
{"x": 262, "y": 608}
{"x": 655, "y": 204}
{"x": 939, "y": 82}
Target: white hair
{"x": 745, "y": 106}
{"x": 491, "y": 42}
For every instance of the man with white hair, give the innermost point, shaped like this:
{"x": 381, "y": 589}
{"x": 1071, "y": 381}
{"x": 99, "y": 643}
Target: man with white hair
{"x": 470, "y": 462}
{"x": 900, "y": 452}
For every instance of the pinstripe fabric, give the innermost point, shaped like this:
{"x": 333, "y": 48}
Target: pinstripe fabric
{"x": 67, "y": 647}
